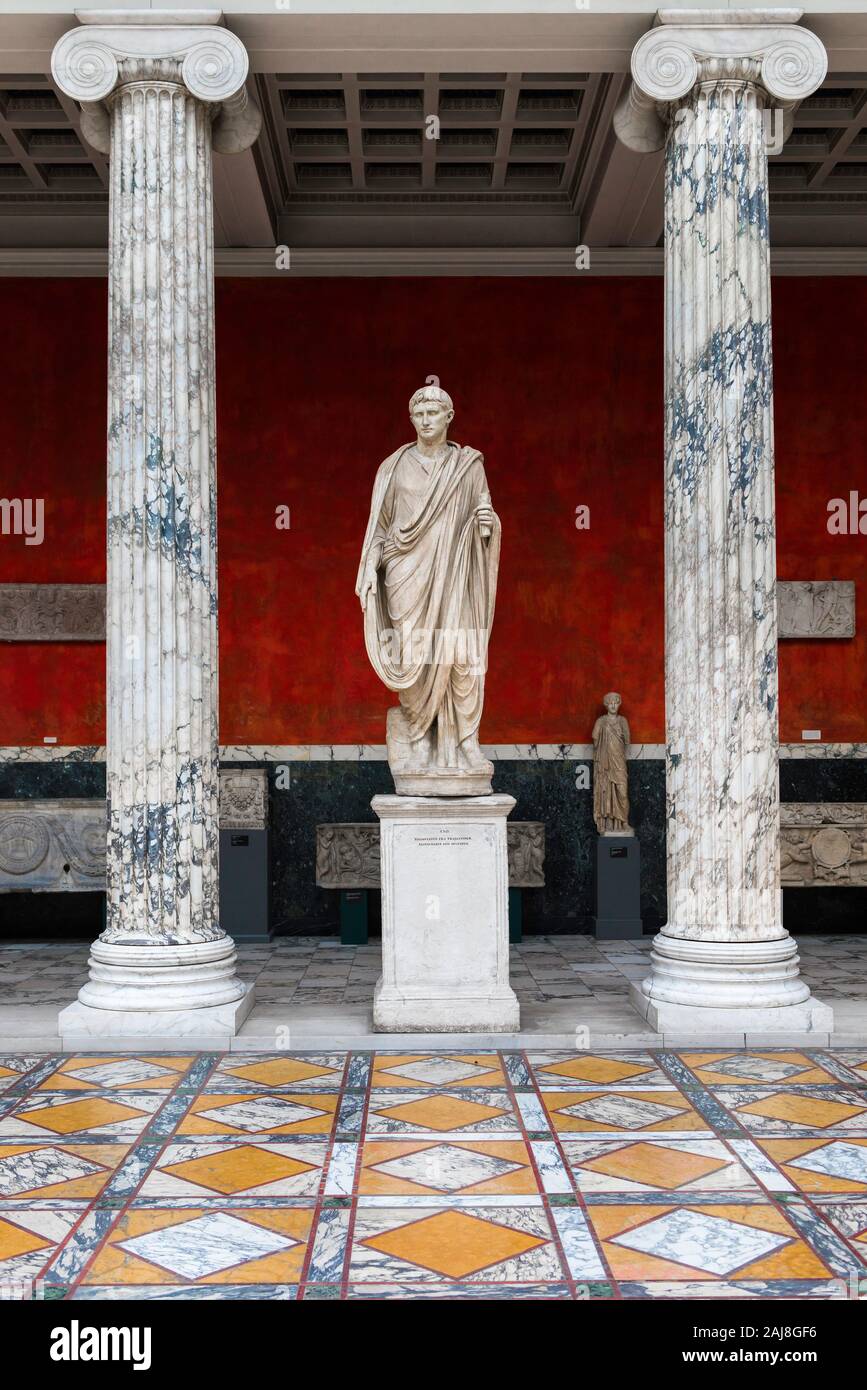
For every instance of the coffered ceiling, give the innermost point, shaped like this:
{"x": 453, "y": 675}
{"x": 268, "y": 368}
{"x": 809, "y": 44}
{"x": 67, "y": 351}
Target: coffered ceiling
{"x": 380, "y": 158}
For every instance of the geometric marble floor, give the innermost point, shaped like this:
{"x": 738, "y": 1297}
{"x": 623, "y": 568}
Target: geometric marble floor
{"x": 323, "y": 991}
{"x": 695, "y": 1173}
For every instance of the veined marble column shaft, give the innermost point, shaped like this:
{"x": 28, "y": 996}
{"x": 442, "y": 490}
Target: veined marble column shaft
{"x": 157, "y": 89}
{"x": 703, "y": 88}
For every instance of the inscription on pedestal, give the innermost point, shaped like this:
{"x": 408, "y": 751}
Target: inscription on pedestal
{"x": 444, "y": 837}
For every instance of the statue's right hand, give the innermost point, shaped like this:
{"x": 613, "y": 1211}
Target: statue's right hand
{"x": 368, "y": 586}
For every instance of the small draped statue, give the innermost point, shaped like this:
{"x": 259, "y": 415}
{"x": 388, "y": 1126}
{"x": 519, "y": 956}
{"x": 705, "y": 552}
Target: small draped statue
{"x": 610, "y": 776}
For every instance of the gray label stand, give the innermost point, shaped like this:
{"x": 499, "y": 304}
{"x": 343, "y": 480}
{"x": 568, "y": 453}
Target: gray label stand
{"x": 244, "y": 884}
{"x": 618, "y": 888}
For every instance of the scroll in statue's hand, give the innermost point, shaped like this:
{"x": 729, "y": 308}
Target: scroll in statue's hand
{"x": 485, "y": 517}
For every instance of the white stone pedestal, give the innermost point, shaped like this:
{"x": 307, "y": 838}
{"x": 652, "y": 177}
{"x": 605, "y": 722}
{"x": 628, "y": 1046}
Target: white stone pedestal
{"x": 445, "y": 916}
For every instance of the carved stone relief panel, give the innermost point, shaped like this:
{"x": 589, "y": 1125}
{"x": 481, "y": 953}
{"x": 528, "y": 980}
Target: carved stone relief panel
{"x": 823, "y": 843}
{"x": 347, "y": 856}
{"x": 52, "y": 846}
{"x": 816, "y": 608}
{"x": 526, "y": 853}
{"x": 244, "y": 798}
{"x": 59, "y": 845}
{"x": 52, "y": 612}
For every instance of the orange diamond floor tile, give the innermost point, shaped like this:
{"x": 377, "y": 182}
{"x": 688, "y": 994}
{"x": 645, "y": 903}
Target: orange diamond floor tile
{"x": 487, "y": 1174}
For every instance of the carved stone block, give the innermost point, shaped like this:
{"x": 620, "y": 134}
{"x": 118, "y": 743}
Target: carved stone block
{"x": 816, "y": 608}
{"x": 244, "y": 798}
{"x": 823, "y": 843}
{"x": 347, "y": 856}
{"x": 52, "y": 846}
{"x": 526, "y": 841}
{"x": 52, "y": 612}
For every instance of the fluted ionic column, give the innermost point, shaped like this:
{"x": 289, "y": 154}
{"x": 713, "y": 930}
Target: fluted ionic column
{"x": 157, "y": 90}
{"x": 723, "y": 961}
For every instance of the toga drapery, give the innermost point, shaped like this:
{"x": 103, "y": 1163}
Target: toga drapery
{"x": 610, "y": 776}
{"x": 426, "y": 627}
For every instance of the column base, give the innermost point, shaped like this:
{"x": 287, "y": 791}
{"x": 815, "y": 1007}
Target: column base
{"x": 82, "y": 1028}
{"x": 161, "y": 978}
{"x": 397, "y": 1012}
{"x": 701, "y": 986}
{"x": 809, "y": 1017}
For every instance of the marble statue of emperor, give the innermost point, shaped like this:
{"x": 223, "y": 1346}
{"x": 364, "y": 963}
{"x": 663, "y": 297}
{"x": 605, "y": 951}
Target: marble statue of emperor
{"x": 427, "y": 584}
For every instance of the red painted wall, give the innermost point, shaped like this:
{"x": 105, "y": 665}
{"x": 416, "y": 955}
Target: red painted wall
{"x": 52, "y": 445}
{"x": 559, "y": 382}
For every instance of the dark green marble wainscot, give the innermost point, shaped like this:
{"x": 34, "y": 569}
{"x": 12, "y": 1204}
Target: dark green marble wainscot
{"x": 317, "y": 793}
{"x": 51, "y": 916}
{"x": 823, "y": 779}
{"x": 32, "y": 781}
{"x": 544, "y": 790}
{"x": 831, "y": 909}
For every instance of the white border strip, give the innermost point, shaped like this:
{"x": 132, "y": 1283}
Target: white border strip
{"x": 376, "y": 752}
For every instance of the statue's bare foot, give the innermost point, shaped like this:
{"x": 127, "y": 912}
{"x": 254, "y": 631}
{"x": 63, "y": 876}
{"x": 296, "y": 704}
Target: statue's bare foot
{"x": 471, "y": 755}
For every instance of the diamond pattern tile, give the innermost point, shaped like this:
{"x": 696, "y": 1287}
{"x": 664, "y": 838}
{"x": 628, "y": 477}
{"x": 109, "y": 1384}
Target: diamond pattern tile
{"x": 377, "y": 1175}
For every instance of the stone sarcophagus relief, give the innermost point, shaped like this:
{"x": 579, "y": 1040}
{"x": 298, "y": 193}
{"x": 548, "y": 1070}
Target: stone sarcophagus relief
{"x": 526, "y": 843}
{"x": 347, "y": 856}
{"x": 823, "y": 843}
{"x": 50, "y": 846}
{"x": 52, "y": 612}
{"x": 816, "y": 608}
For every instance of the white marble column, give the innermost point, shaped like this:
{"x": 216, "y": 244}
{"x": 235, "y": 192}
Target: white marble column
{"x": 158, "y": 90}
{"x": 723, "y": 963}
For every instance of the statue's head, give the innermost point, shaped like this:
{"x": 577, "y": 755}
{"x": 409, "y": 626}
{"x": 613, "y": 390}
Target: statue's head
{"x": 611, "y": 701}
{"x": 431, "y": 412}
